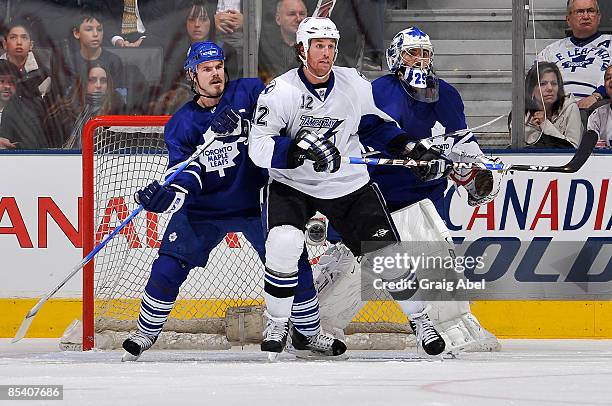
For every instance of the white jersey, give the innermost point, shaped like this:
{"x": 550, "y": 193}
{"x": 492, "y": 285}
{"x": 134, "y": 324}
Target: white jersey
{"x": 289, "y": 104}
{"x": 582, "y": 65}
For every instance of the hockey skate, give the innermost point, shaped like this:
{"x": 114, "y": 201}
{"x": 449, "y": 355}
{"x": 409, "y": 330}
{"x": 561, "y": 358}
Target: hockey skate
{"x": 136, "y": 344}
{"x": 275, "y": 336}
{"x": 427, "y": 337}
{"x": 320, "y": 346}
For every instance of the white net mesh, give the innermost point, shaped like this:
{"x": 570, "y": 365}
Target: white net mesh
{"x": 127, "y": 159}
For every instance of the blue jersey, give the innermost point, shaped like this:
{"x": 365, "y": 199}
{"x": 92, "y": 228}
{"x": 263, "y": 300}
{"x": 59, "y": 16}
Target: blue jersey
{"x": 223, "y": 182}
{"x": 400, "y": 186}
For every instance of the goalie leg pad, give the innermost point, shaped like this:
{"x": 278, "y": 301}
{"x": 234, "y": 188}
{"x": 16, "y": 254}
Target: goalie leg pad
{"x": 421, "y": 222}
{"x": 464, "y": 333}
{"x": 337, "y": 278}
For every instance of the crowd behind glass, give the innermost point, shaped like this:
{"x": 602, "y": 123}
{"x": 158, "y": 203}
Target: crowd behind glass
{"x": 66, "y": 61}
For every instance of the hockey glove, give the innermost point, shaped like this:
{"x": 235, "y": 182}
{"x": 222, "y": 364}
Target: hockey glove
{"x": 478, "y": 183}
{"x": 225, "y": 121}
{"x": 323, "y": 152}
{"x": 158, "y": 199}
{"x": 229, "y": 125}
{"x": 437, "y": 167}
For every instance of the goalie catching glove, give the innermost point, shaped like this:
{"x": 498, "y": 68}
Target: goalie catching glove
{"x": 160, "y": 199}
{"x": 314, "y": 147}
{"x": 479, "y": 184}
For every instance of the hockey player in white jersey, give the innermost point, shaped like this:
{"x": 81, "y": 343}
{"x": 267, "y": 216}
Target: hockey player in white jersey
{"x": 584, "y": 56}
{"x": 305, "y": 120}
{"x": 216, "y": 195}
{"x": 419, "y": 102}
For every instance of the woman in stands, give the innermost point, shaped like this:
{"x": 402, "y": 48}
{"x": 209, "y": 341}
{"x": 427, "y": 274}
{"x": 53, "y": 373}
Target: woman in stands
{"x": 199, "y": 26}
{"x": 552, "y": 118}
{"x": 93, "y": 95}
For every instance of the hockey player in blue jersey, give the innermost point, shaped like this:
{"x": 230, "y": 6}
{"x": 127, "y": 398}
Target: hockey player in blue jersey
{"x": 424, "y": 106}
{"x": 217, "y": 194}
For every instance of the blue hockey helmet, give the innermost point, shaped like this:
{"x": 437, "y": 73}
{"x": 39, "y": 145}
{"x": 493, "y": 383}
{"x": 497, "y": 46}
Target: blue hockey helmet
{"x": 203, "y": 51}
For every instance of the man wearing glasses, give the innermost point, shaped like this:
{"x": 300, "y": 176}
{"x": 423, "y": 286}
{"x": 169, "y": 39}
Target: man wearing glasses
{"x": 584, "y": 56}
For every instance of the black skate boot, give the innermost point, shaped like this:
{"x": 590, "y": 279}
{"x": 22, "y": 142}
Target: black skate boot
{"x": 137, "y": 343}
{"x": 427, "y": 336}
{"x": 275, "y": 336}
{"x": 321, "y": 345}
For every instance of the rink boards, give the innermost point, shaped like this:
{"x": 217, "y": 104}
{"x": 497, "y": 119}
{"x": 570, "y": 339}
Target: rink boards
{"x": 40, "y": 240}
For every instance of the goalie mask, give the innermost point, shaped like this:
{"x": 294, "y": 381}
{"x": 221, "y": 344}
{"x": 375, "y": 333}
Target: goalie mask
{"x": 410, "y": 57}
{"x": 316, "y": 28}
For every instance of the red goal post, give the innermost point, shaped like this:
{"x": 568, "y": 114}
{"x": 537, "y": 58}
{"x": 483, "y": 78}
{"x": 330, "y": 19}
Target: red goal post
{"x": 88, "y": 206}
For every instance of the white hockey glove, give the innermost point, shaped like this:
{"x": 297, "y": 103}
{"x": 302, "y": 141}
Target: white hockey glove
{"x": 480, "y": 184}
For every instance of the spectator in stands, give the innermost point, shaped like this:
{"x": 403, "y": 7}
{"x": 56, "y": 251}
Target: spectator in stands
{"x": 600, "y": 120}
{"x": 363, "y": 21}
{"x": 198, "y": 26}
{"x": 93, "y": 95}
{"x": 22, "y": 118}
{"x": 8, "y": 80}
{"x": 552, "y": 118}
{"x": 34, "y": 71}
{"x": 228, "y": 18}
{"x": 228, "y": 25}
{"x": 88, "y": 30}
{"x": 135, "y": 23}
{"x": 584, "y": 55}
{"x": 49, "y": 20}
{"x": 277, "y": 48}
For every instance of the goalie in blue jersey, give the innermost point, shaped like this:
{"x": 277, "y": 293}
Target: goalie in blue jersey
{"x": 217, "y": 194}
{"x": 424, "y": 106}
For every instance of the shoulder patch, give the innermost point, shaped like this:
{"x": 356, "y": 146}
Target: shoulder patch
{"x": 270, "y": 87}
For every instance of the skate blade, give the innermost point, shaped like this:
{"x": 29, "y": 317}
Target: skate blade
{"x": 313, "y": 355}
{"x": 273, "y": 356}
{"x": 127, "y": 357}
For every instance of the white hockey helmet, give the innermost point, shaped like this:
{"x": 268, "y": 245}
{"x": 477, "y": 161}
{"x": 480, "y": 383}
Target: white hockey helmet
{"x": 316, "y": 27}
{"x": 420, "y": 78}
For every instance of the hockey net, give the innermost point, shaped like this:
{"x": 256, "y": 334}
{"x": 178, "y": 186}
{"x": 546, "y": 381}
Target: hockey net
{"x": 219, "y": 305}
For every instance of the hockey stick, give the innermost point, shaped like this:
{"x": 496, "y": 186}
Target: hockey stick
{"x": 468, "y": 130}
{"x": 29, "y": 318}
{"x": 451, "y": 134}
{"x": 589, "y": 138}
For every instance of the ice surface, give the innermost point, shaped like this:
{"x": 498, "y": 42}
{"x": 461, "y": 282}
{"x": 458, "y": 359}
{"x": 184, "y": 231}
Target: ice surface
{"x": 526, "y": 372}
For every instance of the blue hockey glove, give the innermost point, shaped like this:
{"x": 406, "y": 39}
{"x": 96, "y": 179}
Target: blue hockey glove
{"x": 316, "y": 148}
{"x": 229, "y": 125}
{"x": 158, "y": 199}
{"x": 438, "y": 166}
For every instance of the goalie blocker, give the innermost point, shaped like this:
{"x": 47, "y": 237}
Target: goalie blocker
{"x": 338, "y": 279}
